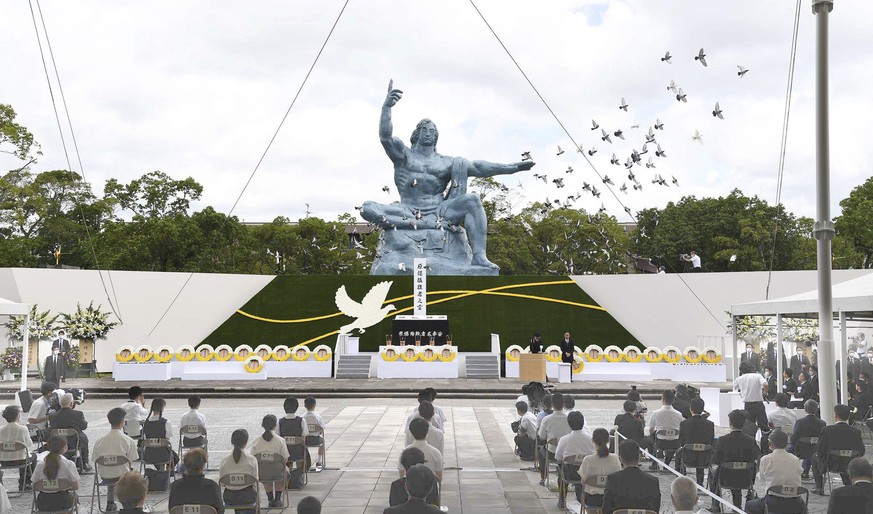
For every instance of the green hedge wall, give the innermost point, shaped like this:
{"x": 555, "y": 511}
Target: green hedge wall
{"x": 471, "y": 319}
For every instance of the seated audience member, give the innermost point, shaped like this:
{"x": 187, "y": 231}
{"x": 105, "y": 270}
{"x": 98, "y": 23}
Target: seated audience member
{"x": 683, "y": 495}
{"x": 239, "y": 462}
{"x": 38, "y": 415}
{"x": 631, "y": 488}
{"x": 526, "y": 436}
{"x": 56, "y": 467}
{"x": 547, "y": 409}
{"x": 157, "y": 426}
{"x": 294, "y": 425}
{"x": 634, "y": 396}
{"x": 805, "y": 391}
{"x": 665, "y": 418}
{"x": 114, "y": 443}
{"x": 630, "y": 425}
{"x": 434, "y": 435}
{"x": 839, "y": 436}
{"x": 682, "y": 401}
{"x": 600, "y": 463}
{"x": 424, "y": 396}
{"x": 778, "y": 468}
{"x": 68, "y": 417}
{"x": 695, "y": 430}
{"x": 569, "y": 403}
{"x": 14, "y": 432}
{"x": 770, "y": 377}
{"x": 805, "y": 427}
{"x": 734, "y": 447}
{"x": 309, "y": 505}
{"x": 420, "y": 481}
{"x": 782, "y": 417}
{"x": 524, "y": 398}
{"x": 577, "y": 443}
{"x": 135, "y": 411}
{"x": 193, "y": 488}
{"x": 131, "y": 489}
{"x": 433, "y": 458}
{"x": 553, "y": 426}
{"x": 269, "y": 442}
{"x": 858, "y": 497}
{"x": 196, "y": 418}
{"x": 432, "y": 396}
{"x": 398, "y": 495}
{"x": 312, "y": 418}
{"x": 862, "y": 403}
{"x": 789, "y": 385}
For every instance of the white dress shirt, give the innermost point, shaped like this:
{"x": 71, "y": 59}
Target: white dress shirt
{"x": 247, "y": 465}
{"x": 780, "y": 468}
{"x": 193, "y": 417}
{"x": 434, "y": 438}
{"x": 274, "y": 445}
{"x": 665, "y": 418}
{"x": 115, "y": 442}
{"x": 577, "y": 442}
{"x": 435, "y": 420}
{"x": 134, "y": 413}
{"x": 312, "y": 418}
{"x": 438, "y": 413}
{"x": 783, "y": 417}
{"x": 38, "y": 410}
{"x": 525, "y": 399}
{"x": 593, "y": 465}
{"x": 15, "y": 433}
{"x": 750, "y": 386}
{"x": 529, "y": 423}
{"x": 66, "y": 471}
{"x": 554, "y": 426}
{"x": 433, "y": 459}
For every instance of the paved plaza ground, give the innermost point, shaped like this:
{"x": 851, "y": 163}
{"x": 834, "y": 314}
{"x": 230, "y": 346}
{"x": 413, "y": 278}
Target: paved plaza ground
{"x": 364, "y": 440}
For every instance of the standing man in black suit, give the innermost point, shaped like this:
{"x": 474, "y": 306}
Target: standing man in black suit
{"x": 631, "y": 488}
{"x": 839, "y": 436}
{"x": 799, "y": 363}
{"x": 807, "y": 426}
{"x": 751, "y": 357}
{"x": 568, "y": 348}
{"x": 813, "y": 380}
{"x": 63, "y": 346}
{"x": 734, "y": 447}
{"x": 54, "y": 367}
{"x": 536, "y": 344}
{"x": 857, "y": 498}
{"x": 695, "y": 430}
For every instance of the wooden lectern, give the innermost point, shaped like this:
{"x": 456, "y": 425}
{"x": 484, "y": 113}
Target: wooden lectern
{"x": 532, "y": 367}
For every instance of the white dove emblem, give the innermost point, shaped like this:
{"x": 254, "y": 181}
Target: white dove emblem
{"x": 368, "y": 312}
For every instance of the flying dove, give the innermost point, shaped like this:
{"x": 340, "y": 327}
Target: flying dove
{"x": 667, "y": 58}
{"x": 742, "y": 72}
{"x": 594, "y": 125}
{"x": 701, "y": 57}
{"x": 605, "y": 136}
{"x": 369, "y": 312}
{"x": 658, "y": 124}
{"x": 717, "y": 112}
{"x": 560, "y": 150}
{"x": 525, "y": 156}
{"x": 623, "y": 105}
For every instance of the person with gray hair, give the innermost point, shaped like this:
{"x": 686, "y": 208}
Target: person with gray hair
{"x": 857, "y": 497}
{"x": 683, "y": 494}
{"x": 805, "y": 427}
{"x": 68, "y": 417}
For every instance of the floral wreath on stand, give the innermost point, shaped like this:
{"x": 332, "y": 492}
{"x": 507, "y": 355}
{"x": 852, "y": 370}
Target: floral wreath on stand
{"x": 242, "y": 353}
{"x": 283, "y": 348}
{"x": 185, "y": 358}
{"x": 148, "y": 356}
{"x": 259, "y": 364}
{"x": 612, "y": 348}
{"x": 627, "y": 356}
{"x": 297, "y": 348}
{"x": 208, "y": 355}
{"x": 267, "y": 349}
{"x": 390, "y": 358}
{"x": 130, "y": 355}
{"x": 425, "y": 358}
{"x": 415, "y": 356}
{"x": 588, "y": 356}
{"x": 509, "y": 350}
{"x": 649, "y": 358}
{"x": 450, "y": 357}
{"x": 319, "y": 348}
{"x": 667, "y": 350}
{"x": 691, "y": 359}
{"x": 707, "y": 358}
{"x": 160, "y": 349}
{"x": 578, "y": 364}
{"x": 226, "y": 348}
{"x": 552, "y": 349}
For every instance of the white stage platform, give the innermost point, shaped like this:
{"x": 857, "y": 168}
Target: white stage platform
{"x": 636, "y": 372}
{"x": 418, "y": 369}
{"x": 217, "y": 370}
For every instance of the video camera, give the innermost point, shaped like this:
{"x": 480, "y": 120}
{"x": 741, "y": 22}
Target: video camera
{"x": 55, "y": 398}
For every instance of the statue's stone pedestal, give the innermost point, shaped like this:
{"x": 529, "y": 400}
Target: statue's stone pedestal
{"x": 447, "y": 253}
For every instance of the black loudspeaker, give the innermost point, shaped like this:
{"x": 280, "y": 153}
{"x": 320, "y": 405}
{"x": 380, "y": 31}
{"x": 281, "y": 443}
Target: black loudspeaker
{"x": 26, "y": 399}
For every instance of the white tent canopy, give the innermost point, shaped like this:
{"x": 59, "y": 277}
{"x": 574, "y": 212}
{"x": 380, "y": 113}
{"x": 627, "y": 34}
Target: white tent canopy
{"x": 853, "y": 297}
{"x": 10, "y": 308}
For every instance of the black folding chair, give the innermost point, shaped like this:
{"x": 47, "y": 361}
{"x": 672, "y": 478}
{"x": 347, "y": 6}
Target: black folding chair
{"x": 666, "y": 445}
{"x": 738, "y": 475}
{"x": 696, "y": 456}
{"x": 837, "y": 462}
{"x": 786, "y": 499}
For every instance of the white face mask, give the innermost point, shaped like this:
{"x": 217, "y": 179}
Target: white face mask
{"x": 766, "y": 374}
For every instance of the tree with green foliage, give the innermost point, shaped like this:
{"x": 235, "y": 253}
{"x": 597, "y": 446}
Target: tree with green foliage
{"x": 855, "y": 224}
{"x": 15, "y": 139}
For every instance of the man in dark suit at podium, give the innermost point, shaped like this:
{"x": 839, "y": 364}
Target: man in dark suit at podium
{"x": 568, "y": 348}
{"x": 536, "y": 344}
{"x": 54, "y": 368}
{"x": 63, "y": 346}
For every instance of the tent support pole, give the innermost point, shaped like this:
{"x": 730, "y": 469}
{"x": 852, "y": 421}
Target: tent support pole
{"x": 25, "y": 351}
{"x": 779, "y": 353}
{"x": 844, "y": 371}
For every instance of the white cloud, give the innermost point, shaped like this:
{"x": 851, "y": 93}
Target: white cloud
{"x": 197, "y": 88}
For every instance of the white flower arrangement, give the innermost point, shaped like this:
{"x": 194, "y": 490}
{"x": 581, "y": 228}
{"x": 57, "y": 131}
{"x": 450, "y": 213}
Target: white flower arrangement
{"x": 41, "y": 326}
{"x": 87, "y": 323}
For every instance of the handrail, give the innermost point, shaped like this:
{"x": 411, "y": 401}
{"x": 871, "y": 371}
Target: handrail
{"x": 619, "y": 436}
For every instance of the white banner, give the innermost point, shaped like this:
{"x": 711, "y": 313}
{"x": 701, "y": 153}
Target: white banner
{"x": 419, "y": 288}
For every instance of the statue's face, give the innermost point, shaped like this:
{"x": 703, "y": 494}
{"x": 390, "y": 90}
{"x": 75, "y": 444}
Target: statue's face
{"x": 427, "y": 134}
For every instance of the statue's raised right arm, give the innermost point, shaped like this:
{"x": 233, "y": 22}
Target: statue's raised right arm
{"x": 394, "y": 147}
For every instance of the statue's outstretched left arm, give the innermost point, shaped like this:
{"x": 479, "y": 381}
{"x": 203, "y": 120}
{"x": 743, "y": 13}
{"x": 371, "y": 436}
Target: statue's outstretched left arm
{"x": 489, "y": 169}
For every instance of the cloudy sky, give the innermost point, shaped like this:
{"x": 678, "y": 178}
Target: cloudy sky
{"x": 197, "y": 89}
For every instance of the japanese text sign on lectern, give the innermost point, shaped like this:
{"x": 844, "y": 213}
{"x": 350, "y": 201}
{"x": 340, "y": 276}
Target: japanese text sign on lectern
{"x": 419, "y": 288}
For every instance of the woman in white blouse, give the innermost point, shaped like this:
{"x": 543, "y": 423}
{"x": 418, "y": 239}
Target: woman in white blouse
{"x": 269, "y": 442}
{"x": 239, "y": 462}
{"x": 601, "y": 463}
{"x": 56, "y": 467}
